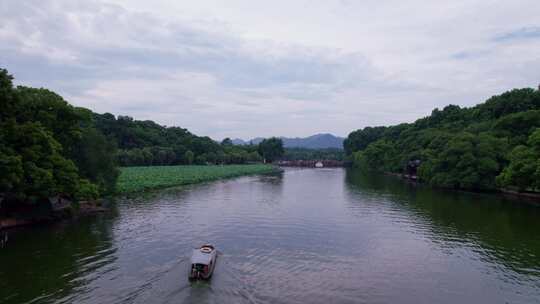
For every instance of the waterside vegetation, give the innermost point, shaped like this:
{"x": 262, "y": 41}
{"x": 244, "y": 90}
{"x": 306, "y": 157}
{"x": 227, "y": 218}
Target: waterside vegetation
{"x": 49, "y": 148}
{"x": 492, "y": 146}
{"x": 136, "y": 179}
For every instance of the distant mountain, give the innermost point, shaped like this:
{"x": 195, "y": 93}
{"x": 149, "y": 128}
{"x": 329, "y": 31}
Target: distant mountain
{"x": 318, "y": 141}
{"x": 254, "y": 141}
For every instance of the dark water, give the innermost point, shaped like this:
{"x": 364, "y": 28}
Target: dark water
{"x": 305, "y": 236}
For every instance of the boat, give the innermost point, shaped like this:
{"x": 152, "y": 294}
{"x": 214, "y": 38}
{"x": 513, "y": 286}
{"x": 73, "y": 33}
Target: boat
{"x": 203, "y": 262}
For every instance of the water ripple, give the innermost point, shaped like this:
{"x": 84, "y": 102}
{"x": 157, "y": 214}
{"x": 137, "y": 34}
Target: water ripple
{"x": 307, "y": 236}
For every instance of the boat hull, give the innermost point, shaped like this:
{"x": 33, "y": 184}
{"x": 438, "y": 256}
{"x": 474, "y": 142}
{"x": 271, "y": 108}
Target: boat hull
{"x": 202, "y": 270}
{"x": 199, "y": 275}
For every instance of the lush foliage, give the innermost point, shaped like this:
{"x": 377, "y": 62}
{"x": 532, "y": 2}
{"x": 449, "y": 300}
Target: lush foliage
{"x": 145, "y": 143}
{"x": 271, "y": 149}
{"x": 41, "y": 140}
{"x": 135, "y": 179}
{"x": 491, "y": 145}
{"x": 360, "y": 139}
{"x": 467, "y": 161}
{"x": 49, "y": 147}
{"x": 523, "y": 172}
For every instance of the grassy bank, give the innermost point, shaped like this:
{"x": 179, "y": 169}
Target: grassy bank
{"x": 135, "y": 179}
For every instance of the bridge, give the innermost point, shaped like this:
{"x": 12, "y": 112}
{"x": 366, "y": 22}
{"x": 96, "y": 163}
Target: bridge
{"x": 311, "y": 163}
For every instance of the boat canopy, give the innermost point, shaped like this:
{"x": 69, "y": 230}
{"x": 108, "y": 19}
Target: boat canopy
{"x": 199, "y": 257}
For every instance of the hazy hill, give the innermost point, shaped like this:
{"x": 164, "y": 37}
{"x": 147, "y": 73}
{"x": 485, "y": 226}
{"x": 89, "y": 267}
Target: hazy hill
{"x": 317, "y": 141}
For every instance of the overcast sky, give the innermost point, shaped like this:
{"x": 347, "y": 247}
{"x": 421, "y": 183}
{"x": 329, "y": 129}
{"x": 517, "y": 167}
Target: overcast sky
{"x": 245, "y": 68}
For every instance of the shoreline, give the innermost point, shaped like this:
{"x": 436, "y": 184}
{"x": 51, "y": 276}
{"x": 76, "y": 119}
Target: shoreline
{"x": 529, "y": 196}
{"x": 83, "y": 209}
{"x": 90, "y": 208}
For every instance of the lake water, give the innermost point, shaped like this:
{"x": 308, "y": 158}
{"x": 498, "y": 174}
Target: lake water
{"x": 302, "y": 236}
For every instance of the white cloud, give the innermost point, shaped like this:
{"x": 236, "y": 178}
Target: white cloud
{"x": 252, "y": 68}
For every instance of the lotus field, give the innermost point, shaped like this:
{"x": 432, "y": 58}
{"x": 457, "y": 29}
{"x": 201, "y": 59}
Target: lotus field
{"x": 134, "y": 179}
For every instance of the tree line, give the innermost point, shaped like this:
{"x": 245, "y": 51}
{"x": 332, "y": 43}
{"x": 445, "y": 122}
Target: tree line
{"x": 49, "y": 147}
{"x": 146, "y": 143}
{"x": 493, "y": 145}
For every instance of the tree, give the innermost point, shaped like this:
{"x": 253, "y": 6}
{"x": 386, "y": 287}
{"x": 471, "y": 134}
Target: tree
{"x": 226, "y": 142}
{"x": 189, "y": 157}
{"x": 54, "y": 114}
{"x": 523, "y": 172}
{"x": 7, "y": 97}
{"x": 514, "y": 101}
{"x": 211, "y": 157}
{"x": 378, "y": 156}
{"x": 39, "y": 168}
{"x": 464, "y": 148}
{"x": 517, "y": 126}
{"x": 45, "y": 146}
{"x": 466, "y": 162}
{"x": 360, "y": 139}
{"x": 254, "y": 157}
{"x": 200, "y": 159}
{"x": 11, "y": 164}
{"x": 30, "y": 157}
{"x": 96, "y": 158}
{"x": 271, "y": 149}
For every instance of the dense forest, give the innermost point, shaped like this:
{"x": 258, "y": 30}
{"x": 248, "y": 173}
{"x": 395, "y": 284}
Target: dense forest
{"x": 490, "y": 146}
{"x": 146, "y": 143}
{"x": 49, "y": 147}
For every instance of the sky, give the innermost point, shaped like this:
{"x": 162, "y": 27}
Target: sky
{"x": 246, "y": 68}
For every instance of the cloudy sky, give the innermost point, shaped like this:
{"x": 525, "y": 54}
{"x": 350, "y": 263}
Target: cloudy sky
{"x": 245, "y": 68}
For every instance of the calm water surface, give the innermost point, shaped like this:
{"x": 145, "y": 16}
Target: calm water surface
{"x": 304, "y": 236}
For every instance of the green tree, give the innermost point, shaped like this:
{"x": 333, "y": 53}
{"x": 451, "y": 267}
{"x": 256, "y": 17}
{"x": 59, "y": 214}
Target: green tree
{"x": 41, "y": 169}
{"x": 96, "y": 158}
{"x": 45, "y": 144}
{"x": 271, "y": 149}
{"x": 466, "y": 162}
{"x": 211, "y": 157}
{"x": 523, "y": 172}
{"x": 254, "y": 156}
{"x": 189, "y": 157}
{"x": 517, "y": 126}
{"x": 465, "y": 148}
{"x": 226, "y": 142}
{"x": 379, "y": 156}
{"x": 360, "y": 139}
{"x": 200, "y": 159}
{"x": 32, "y": 158}
{"x": 55, "y": 115}
{"x": 10, "y": 162}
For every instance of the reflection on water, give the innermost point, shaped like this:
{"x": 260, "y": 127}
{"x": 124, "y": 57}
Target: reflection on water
{"x": 496, "y": 227}
{"x": 304, "y": 236}
{"x": 54, "y": 262}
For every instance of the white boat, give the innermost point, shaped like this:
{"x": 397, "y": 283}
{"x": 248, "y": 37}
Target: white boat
{"x": 319, "y": 164}
{"x": 203, "y": 262}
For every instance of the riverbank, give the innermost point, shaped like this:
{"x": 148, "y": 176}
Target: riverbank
{"x": 529, "y": 196}
{"x": 71, "y": 211}
{"x": 137, "y": 179}
{"x": 132, "y": 180}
